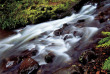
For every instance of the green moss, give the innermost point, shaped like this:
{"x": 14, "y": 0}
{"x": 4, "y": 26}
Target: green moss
{"x": 17, "y": 13}
{"x": 105, "y": 42}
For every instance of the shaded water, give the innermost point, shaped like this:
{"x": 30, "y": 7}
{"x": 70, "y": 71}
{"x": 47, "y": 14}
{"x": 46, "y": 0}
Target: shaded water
{"x": 4, "y": 34}
{"x": 42, "y": 37}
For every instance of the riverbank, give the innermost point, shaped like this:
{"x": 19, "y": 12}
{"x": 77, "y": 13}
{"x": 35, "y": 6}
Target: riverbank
{"x": 19, "y": 13}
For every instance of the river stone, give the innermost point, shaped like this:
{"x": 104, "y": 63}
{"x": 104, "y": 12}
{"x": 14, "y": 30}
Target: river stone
{"x": 28, "y": 65}
{"x": 58, "y": 32}
{"x": 67, "y": 37}
{"x": 28, "y": 53}
{"x": 80, "y": 21}
{"x": 9, "y": 63}
{"x": 62, "y": 30}
{"x": 49, "y": 58}
{"x": 87, "y": 56}
{"x": 74, "y": 69}
{"x": 76, "y": 33}
{"x": 13, "y": 63}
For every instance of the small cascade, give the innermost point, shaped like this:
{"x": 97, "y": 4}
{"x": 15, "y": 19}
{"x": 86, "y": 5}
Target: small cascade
{"x": 42, "y": 37}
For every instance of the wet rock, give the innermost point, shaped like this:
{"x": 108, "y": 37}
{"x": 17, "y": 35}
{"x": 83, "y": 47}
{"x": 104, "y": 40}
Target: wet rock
{"x": 78, "y": 6}
{"x": 67, "y": 37}
{"x": 87, "y": 56}
{"x": 49, "y": 58}
{"x": 79, "y": 21}
{"x": 28, "y": 53}
{"x": 65, "y": 25}
{"x": 103, "y": 16}
{"x": 61, "y": 31}
{"x": 58, "y": 32}
{"x": 76, "y": 33}
{"x": 34, "y": 52}
{"x": 9, "y": 66}
{"x": 80, "y": 25}
{"x": 74, "y": 69}
{"x": 15, "y": 64}
{"x": 9, "y": 63}
{"x": 28, "y": 65}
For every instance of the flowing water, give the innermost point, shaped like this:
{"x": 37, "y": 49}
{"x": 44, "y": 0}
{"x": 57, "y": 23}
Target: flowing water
{"x": 42, "y": 37}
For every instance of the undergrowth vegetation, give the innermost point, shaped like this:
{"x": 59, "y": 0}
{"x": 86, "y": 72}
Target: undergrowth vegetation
{"x": 17, "y": 13}
{"x": 106, "y": 65}
{"x": 105, "y": 42}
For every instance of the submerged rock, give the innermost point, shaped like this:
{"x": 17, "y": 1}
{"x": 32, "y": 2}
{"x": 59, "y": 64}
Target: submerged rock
{"x": 49, "y": 58}
{"x": 28, "y": 53}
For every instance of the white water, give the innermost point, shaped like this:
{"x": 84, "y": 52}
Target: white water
{"x": 44, "y": 39}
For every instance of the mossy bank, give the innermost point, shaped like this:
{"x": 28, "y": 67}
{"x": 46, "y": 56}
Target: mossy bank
{"x": 18, "y": 13}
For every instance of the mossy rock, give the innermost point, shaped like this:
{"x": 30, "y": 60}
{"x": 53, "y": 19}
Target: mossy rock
{"x": 87, "y": 56}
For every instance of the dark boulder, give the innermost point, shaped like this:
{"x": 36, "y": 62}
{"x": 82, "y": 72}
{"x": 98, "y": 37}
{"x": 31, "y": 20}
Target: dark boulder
{"x": 87, "y": 56}
{"x": 28, "y": 65}
{"x": 61, "y": 30}
{"x": 49, "y": 58}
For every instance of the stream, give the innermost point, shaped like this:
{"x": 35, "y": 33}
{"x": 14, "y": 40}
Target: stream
{"x": 46, "y": 38}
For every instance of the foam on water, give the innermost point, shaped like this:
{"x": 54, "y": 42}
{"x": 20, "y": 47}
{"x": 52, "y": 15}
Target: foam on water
{"x": 41, "y": 37}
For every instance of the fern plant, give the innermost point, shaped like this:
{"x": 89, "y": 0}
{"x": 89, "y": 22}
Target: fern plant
{"x": 106, "y": 65}
{"x": 105, "y": 42}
